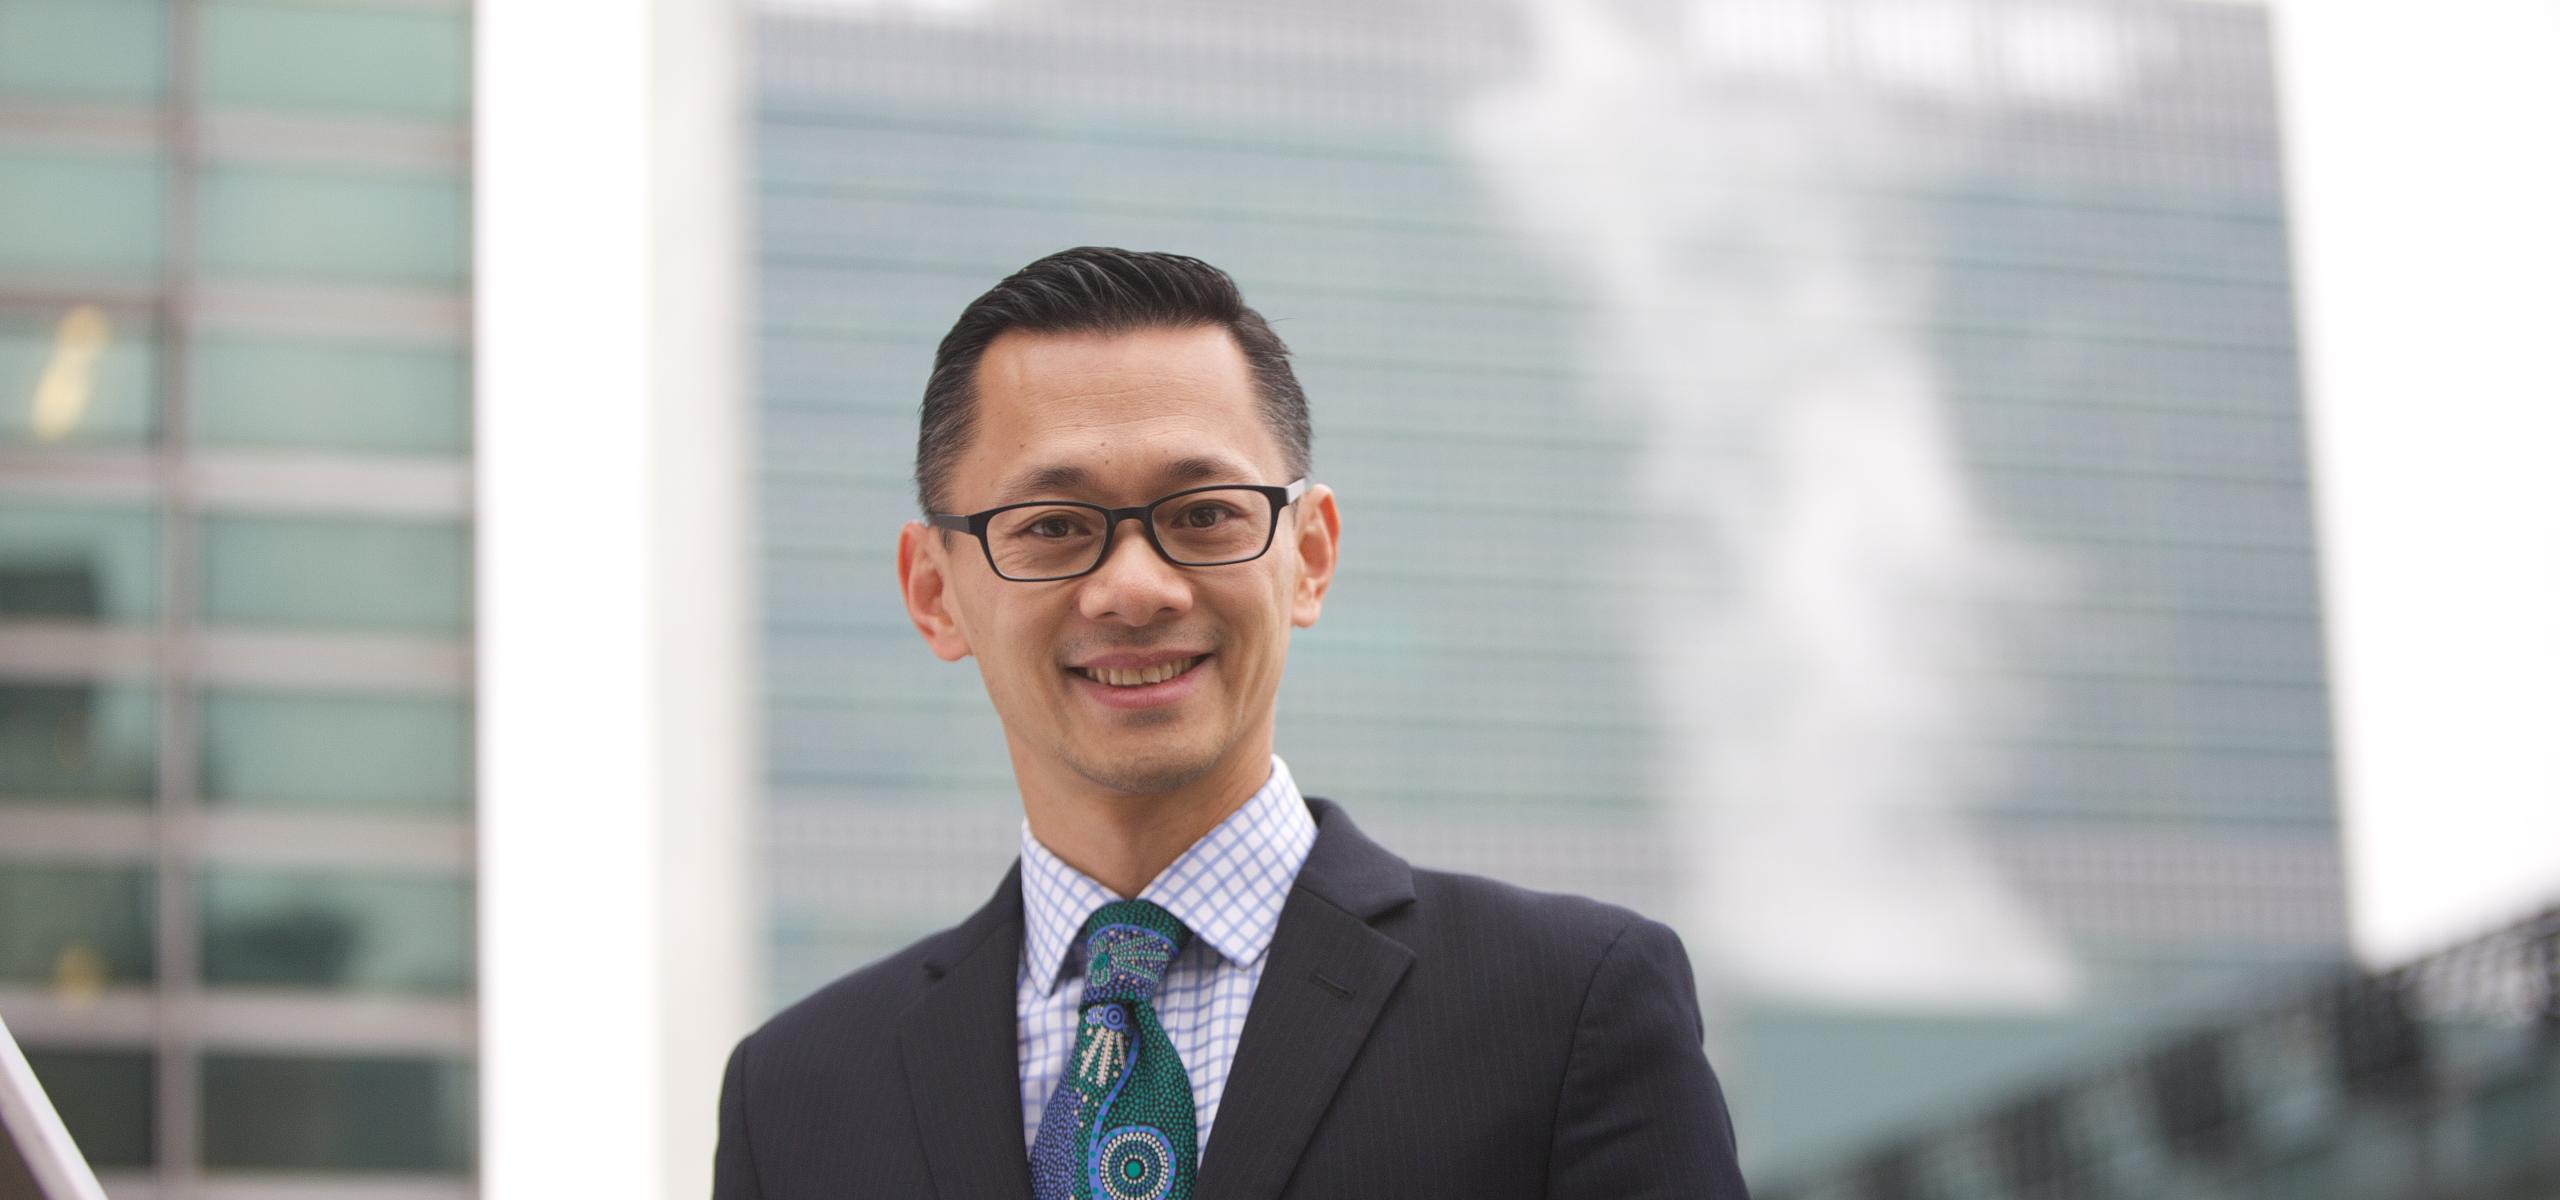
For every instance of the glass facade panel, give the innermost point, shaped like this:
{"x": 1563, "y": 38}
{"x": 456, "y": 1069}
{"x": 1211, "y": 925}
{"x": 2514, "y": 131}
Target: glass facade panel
{"x": 337, "y": 1114}
{"x": 77, "y": 743}
{"x": 81, "y": 211}
{"x": 302, "y": 395}
{"x": 83, "y": 50}
{"x": 338, "y": 931}
{"x": 337, "y": 572}
{"x": 346, "y": 60}
{"x": 105, "y": 1100}
{"x": 91, "y": 562}
{"x": 333, "y": 225}
{"x": 367, "y": 752}
{"x": 328, "y": 224}
{"x": 75, "y": 928}
{"x": 81, "y": 377}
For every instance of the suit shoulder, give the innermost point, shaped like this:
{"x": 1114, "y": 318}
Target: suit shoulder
{"x": 1562, "y": 925}
{"x": 857, "y": 999}
{"x": 1498, "y": 899}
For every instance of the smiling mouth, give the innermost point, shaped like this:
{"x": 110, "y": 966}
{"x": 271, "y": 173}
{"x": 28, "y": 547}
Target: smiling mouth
{"x": 1129, "y": 677}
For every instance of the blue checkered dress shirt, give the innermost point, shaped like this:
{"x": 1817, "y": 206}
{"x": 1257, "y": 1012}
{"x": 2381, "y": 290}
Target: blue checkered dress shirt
{"x": 1228, "y": 888}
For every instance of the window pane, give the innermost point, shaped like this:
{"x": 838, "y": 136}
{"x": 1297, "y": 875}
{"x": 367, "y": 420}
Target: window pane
{"x": 76, "y": 743}
{"x": 69, "y": 210}
{"x": 369, "y": 933}
{"x": 86, "y": 50}
{"x": 333, "y": 572}
{"x": 81, "y": 377}
{"x": 75, "y": 929}
{"x": 386, "y": 60}
{"x": 311, "y": 224}
{"x": 105, "y": 1098}
{"x": 80, "y": 561}
{"x": 377, "y": 753}
{"x": 337, "y": 1114}
{"x": 300, "y": 395}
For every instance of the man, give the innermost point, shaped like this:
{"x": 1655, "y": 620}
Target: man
{"x": 1120, "y": 530}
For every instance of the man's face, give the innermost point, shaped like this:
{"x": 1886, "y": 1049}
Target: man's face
{"x": 1120, "y": 420}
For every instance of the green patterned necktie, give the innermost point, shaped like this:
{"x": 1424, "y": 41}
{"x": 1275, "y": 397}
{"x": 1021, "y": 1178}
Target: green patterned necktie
{"x": 1120, "y": 1125}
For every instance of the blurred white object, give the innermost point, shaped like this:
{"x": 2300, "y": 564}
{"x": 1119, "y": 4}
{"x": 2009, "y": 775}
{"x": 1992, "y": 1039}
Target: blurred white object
{"x": 615, "y": 756}
{"x": 1857, "y": 503}
{"x": 30, "y": 1129}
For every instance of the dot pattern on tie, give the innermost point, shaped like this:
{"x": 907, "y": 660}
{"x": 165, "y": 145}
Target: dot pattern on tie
{"x": 1120, "y": 1125}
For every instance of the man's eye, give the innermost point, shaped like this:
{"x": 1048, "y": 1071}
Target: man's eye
{"x": 1054, "y": 527}
{"x": 1205, "y": 516}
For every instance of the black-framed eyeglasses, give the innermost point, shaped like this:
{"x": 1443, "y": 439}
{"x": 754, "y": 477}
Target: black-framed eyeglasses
{"x": 1038, "y": 541}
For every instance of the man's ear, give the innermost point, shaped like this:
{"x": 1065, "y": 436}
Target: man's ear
{"x": 1319, "y": 544}
{"x": 923, "y": 581}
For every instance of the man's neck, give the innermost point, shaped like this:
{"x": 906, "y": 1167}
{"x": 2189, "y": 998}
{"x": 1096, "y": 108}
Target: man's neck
{"x": 1123, "y": 841}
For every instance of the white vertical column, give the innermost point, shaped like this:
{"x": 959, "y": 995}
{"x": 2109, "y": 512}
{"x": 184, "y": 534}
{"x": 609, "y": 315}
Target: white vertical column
{"x": 2419, "y": 154}
{"x": 615, "y": 737}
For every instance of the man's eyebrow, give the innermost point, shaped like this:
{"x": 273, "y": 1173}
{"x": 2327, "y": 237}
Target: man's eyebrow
{"x": 1065, "y": 479}
{"x": 1043, "y": 482}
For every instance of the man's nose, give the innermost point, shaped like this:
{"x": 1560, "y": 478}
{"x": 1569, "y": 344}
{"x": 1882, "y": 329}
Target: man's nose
{"x": 1134, "y": 584}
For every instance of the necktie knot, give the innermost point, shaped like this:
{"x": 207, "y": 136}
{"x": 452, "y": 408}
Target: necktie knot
{"x": 1128, "y": 945}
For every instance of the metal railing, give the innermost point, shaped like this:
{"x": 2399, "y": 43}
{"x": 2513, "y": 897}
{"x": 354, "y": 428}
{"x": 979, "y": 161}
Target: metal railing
{"x": 2436, "y": 1080}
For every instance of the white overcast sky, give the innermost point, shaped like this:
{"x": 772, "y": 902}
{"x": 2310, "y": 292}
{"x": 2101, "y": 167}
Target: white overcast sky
{"x": 2423, "y": 152}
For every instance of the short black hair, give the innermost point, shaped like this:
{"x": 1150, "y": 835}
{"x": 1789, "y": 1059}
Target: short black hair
{"x": 1100, "y": 289}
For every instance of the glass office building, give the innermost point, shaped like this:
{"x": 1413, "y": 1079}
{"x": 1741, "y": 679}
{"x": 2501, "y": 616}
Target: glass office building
{"x": 1829, "y": 474}
{"x": 236, "y": 863}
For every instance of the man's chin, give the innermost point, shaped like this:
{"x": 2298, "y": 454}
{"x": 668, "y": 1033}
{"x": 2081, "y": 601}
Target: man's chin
{"x": 1148, "y": 771}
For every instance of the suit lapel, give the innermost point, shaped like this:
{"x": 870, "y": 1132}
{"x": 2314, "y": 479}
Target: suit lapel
{"x": 1329, "y": 977}
{"x": 956, "y": 1043}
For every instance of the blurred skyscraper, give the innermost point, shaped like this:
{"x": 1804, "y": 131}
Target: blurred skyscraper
{"x": 1829, "y": 474}
{"x": 236, "y": 854}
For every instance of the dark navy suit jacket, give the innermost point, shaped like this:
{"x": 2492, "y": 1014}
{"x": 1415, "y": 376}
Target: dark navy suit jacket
{"x": 1416, "y": 1034}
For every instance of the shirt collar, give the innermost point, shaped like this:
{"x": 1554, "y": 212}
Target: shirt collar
{"x": 1228, "y": 887}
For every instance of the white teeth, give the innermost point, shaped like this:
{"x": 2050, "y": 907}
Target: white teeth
{"x": 1136, "y": 677}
